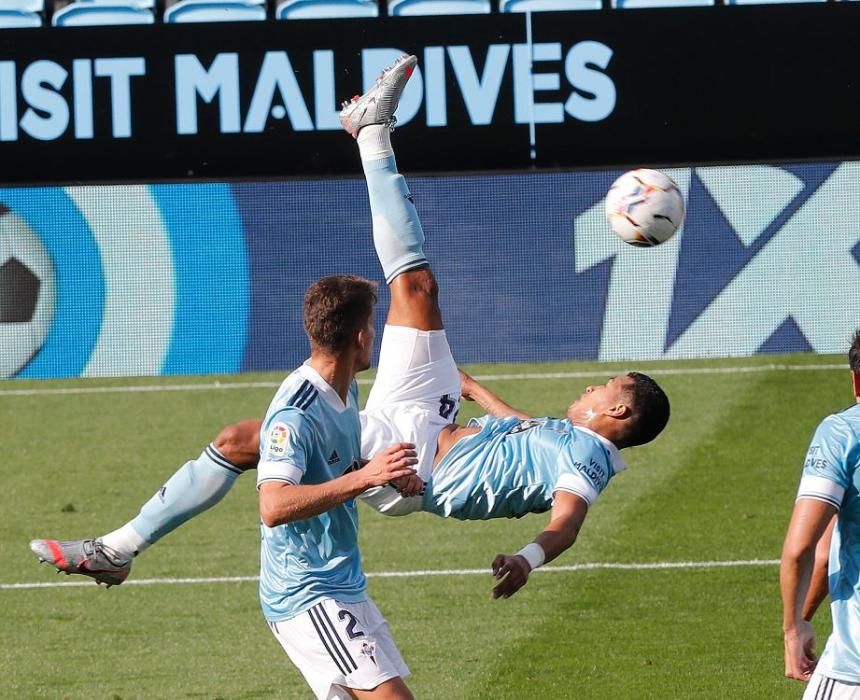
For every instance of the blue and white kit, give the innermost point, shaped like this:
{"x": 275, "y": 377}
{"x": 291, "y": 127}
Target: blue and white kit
{"x": 313, "y": 590}
{"x": 309, "y": 436}
{"x": 513, "y": 467}
{"x": 831, "y": 473}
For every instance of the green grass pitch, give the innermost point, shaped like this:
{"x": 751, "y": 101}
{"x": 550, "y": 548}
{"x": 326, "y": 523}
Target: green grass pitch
{"x": 718, "y": 485}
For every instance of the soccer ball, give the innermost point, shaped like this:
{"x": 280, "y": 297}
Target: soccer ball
{"x": 644, "y": 207}
{"x": 27, "y": 293}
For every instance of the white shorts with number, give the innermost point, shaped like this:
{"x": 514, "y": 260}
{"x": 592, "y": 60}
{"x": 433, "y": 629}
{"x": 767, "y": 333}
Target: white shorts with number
{"x": 337, "y": 645}
{"x": 823, "y": 688}
{"x": 416, "y": 393}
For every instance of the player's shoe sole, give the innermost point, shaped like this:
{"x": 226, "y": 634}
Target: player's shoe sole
{"x": 86, "y": 557}
{"x": 378, "y": 104}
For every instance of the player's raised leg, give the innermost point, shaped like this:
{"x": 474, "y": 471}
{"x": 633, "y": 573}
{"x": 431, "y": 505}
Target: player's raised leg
{"x": 417, "y": 388}
{"x": 195, "y": 487}
{"x": 397, "y": 233}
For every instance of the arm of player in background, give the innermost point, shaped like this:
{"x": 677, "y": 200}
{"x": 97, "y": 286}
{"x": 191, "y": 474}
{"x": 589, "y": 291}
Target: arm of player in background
{"x": 568, "y": 514}
{"x": 282, "y": 502}
{"x": 472, "y": 390}
{"x": 818, "y": 588}
{"x": 809, "y": 520}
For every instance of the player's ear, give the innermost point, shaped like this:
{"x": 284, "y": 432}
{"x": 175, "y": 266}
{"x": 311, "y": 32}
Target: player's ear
{"x": 363, "y": 338}
{"x": 856, "y": 380}
{"x": 619, "y": 410}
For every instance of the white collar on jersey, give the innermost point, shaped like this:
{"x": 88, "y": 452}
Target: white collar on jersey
{"x": 618, "y": 463}
{"x": 325, "y": 389}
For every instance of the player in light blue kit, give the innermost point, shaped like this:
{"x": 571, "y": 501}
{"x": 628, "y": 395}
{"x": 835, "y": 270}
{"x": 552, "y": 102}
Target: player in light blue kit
{"x": 312, "y": 588}
{"x": 506, "y": 464}
{"x": 828, "y": 492}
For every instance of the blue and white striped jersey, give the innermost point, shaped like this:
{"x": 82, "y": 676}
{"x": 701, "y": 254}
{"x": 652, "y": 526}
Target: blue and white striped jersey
{"x": 310, "y": 437}
{"x": 831, "y": 473}
{"x": 513, "y": 467}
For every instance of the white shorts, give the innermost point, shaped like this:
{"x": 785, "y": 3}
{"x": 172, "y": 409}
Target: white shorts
{"x": 337, "y": 645}
{"x": 821, "y": 687}
{"x": 416, "y": 393}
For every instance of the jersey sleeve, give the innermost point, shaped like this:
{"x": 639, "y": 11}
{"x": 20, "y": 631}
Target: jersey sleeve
{"x": 585, "y": 471}
{"x": 478, "y": 422}
{"x": 285, "y": 445}
{"x": 827, "y": 469}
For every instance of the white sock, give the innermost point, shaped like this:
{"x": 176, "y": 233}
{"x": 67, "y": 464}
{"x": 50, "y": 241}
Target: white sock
{"x": 374, "y": 142}
{"x": 126, "y": 541}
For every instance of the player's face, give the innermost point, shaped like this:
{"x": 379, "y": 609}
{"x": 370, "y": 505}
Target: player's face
{"x": 597, "y": 398}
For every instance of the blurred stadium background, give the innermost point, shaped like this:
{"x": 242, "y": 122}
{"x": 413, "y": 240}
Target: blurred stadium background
{"x": 169, "y": 192}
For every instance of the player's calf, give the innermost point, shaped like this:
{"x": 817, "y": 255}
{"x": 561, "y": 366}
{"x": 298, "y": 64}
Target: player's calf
{"x": 239, "y": 443}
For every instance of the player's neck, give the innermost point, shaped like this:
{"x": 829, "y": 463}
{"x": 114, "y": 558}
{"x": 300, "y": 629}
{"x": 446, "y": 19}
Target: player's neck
{"x": 337, "y": 371}
{"x": 600, "y": 425}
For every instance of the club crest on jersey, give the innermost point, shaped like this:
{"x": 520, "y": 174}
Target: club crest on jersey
{"x": 523, "y": 426}
{"x": 368, "y": 649}
{"x": 277, "y": 440}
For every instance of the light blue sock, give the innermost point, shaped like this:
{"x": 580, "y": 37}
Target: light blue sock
{"x": 397, "y": 233}
{"x": 196, "y": 486}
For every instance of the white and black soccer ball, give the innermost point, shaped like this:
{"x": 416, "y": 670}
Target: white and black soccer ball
{"x": 27, "y": 293}
{"x": 644, "y": 207}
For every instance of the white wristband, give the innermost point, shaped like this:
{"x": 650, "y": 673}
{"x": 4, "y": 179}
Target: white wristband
{"x": 533, "y": 553}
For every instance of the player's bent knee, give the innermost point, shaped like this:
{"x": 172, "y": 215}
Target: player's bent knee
{"x": 240, "y": 443}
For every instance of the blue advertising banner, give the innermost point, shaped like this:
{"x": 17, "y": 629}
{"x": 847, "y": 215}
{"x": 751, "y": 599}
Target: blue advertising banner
{"x": 209, "y": 278}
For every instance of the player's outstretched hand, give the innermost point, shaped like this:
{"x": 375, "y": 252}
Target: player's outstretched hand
{"x": 394, "y": 462}
{"x": 800, "y": 658}
{"x": 513, "y": 570}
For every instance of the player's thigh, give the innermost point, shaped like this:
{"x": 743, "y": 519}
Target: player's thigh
{"x": 404, "y": 422}
{"x": 416, "y": 367}
{"x": 341, "y": 645}
{"x": 821, "y": 687}
{"x": 395, "y": 689}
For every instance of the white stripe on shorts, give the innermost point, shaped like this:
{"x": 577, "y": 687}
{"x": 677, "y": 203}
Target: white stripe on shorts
{"x": 337, "y": 645}
{"x": 821, "y": 687}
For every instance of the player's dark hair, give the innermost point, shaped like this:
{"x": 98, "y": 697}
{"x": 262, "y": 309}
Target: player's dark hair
{"x": 336, "y": 308}
{"x": 854, "y": 352}
{"x": 650, "y": 409}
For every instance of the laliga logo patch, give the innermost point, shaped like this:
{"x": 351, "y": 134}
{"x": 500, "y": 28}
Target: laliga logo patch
{"x": 277, "y": 440}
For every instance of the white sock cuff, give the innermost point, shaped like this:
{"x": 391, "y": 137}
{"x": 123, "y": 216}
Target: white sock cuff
{"x": 374, "y": 142}
{"x": 126, "y": 541}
